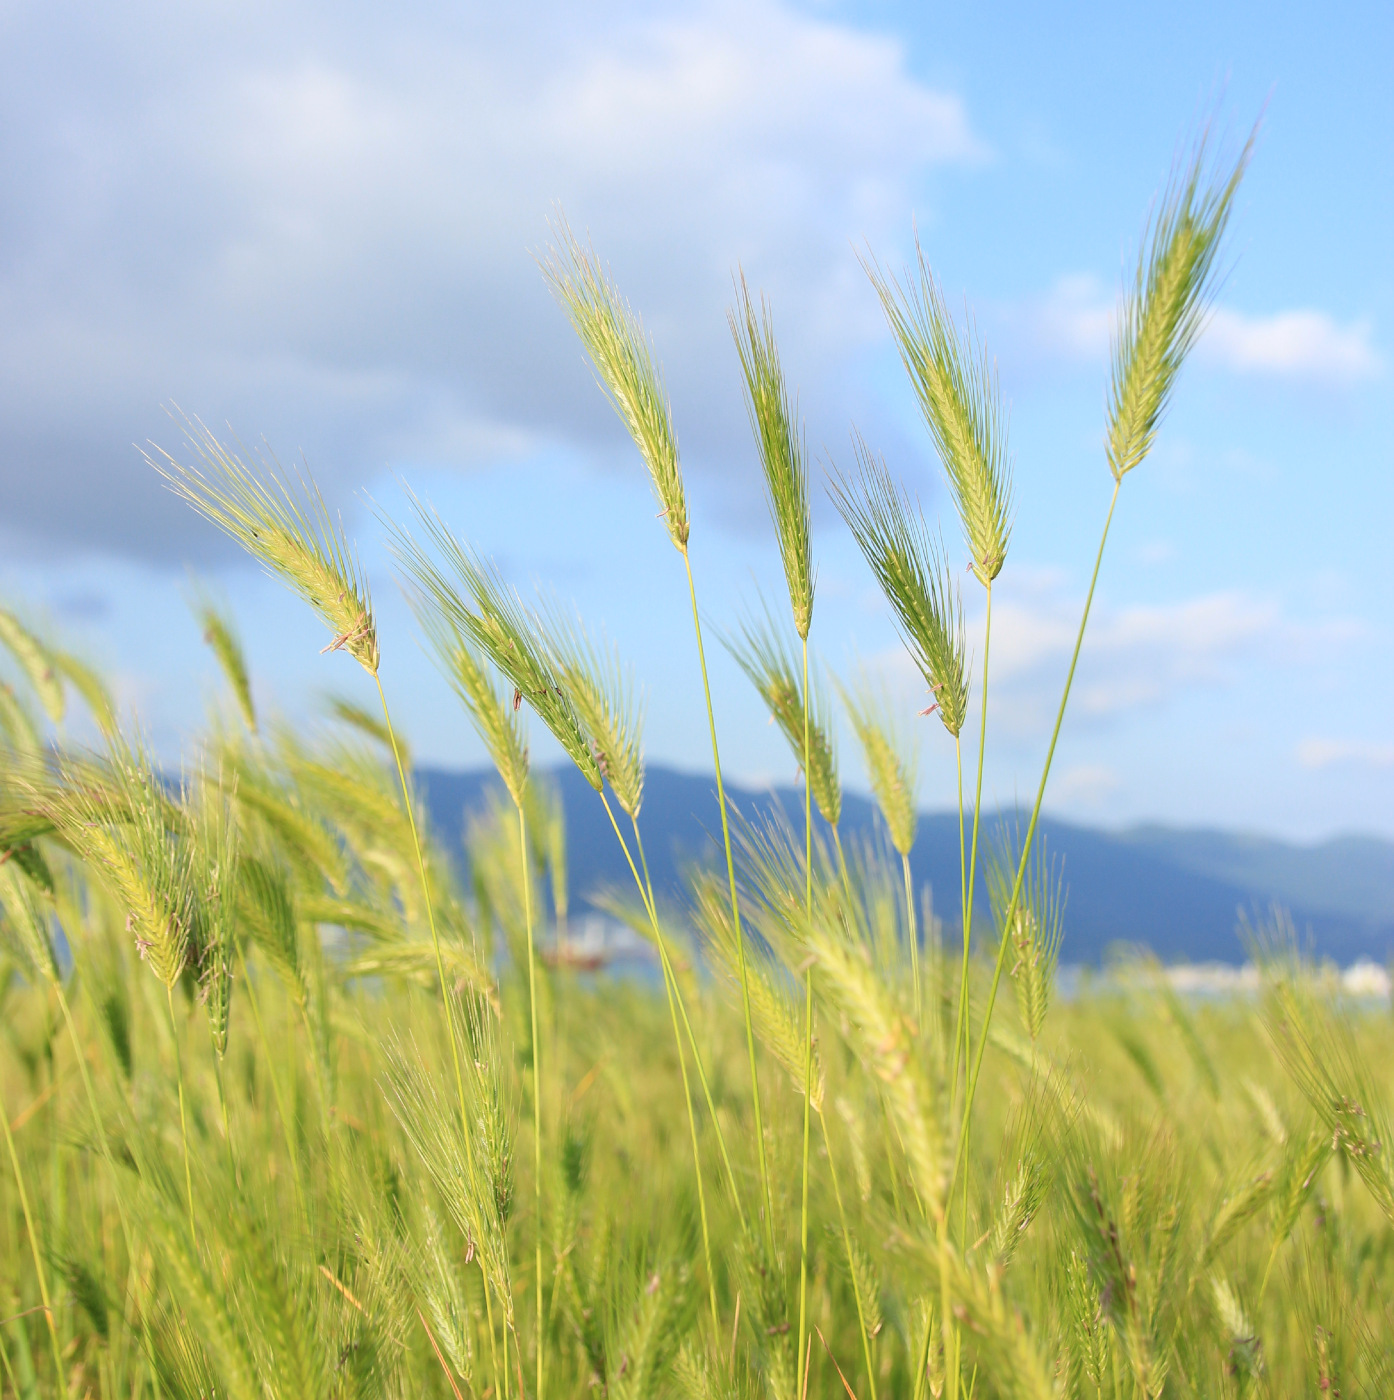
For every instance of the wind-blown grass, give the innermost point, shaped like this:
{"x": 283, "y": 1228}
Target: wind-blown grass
{"x": 318, "y": 1153}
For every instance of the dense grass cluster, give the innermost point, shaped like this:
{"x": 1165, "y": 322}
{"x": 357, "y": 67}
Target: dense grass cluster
{"x": 292, "y": 1110}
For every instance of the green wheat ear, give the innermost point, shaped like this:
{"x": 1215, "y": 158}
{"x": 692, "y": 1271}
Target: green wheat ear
{"x": 494, "y": 718}
{"x": 287, "y": 525}
{"x": 620, "y": 350}
{"x": 36, "y": 662}
{"x": 221, "y": 636}
{"x": 892, "y": 762}
{"x": 492, "y": 616}
{"x": 915, "y": 577}
{"x": 1165, "y": 311}
{"x": 601, "y": 691}
{"x": 772, "y": 669}
{"x": 780, "y": 439}
{"x": 956, "y": 385}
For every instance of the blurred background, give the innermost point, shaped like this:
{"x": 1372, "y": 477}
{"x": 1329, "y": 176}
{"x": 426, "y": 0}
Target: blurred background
{"x": 317, "y": 227}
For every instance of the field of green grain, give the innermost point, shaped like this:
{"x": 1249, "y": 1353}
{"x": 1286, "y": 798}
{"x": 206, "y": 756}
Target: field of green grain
{"x": 293, "y": 1110}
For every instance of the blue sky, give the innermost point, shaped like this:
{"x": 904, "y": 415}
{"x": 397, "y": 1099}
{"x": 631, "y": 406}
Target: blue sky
{"x": 319, "y": 223}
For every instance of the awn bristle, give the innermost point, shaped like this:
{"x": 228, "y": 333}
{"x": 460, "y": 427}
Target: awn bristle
{"x": 287, "y": 525}
{"x": 915, "y": 577}
{"x": 782, "y": 455}
{"x": 1165, "y": 312}
{"x": 957, "y": 389}
{"x": 620, "y": 350}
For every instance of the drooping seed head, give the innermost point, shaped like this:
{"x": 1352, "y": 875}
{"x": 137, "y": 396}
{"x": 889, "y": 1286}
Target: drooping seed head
{"x": 285, "y": 523}
{"x": 891, "y": 762}
{"x": 1164, "y": 313}
{"x": 620, "y": 351}
{"x": 36, "y": 662}
{"x": 221, "y": 636}
{"x": 493, "y": 715}
{"x": 780, "y": 440}
{"x": 956, "y": 385}
{"x": 602, "y": 694}
{"x": 475, "y": 601}
{"x": 762, "y": 653}
{"x": 915, "y": 577}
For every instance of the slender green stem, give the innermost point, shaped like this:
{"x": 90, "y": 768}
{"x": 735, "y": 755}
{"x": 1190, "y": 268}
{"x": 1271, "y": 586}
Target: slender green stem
{"x": 536, "y": 1085}
{"x": 282, "y": 1111}
{"x": 808, "y": 1023}
{"x": 803, "y": 1201}
{"x": 646, "y": 895}
{"x": 431, "y": 915}
{"x": 961, "y": 1041}
{"x": 973, "y": 870}
{"x": 912, "y": 927}
{"x": 34, "y": 1245}
{"x": 669, "y": 980}
{"x": 735, "y": 919}
{"x": 1031, "y": 832}
{"x": 851, "y": 1263}
{"x": 183, "y": 1117}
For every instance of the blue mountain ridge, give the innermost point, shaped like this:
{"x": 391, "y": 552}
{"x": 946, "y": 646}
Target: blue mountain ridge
{"x": 1177, "y": 891}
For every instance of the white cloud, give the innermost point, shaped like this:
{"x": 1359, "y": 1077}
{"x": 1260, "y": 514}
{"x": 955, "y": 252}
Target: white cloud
{"x": 1138, "y": 656}
{"x": 1302, "y": 344}
{"x": 326, "y": 233}
{"x": 1076, "y": 317}
{"x": 1325, "y": 753}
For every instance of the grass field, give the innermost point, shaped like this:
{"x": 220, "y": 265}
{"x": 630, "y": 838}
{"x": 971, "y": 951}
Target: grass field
{"x": 289, "y": 1112}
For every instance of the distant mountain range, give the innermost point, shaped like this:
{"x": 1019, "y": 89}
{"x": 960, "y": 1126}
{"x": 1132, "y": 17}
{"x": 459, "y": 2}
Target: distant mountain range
{"x": 1178, "y": 891}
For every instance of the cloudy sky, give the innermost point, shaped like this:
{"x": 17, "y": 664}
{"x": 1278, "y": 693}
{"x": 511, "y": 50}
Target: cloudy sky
{"x": 319, "y": 226}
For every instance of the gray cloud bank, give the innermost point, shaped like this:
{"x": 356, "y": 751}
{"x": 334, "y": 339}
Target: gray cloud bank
{"x": 319, "y": 223}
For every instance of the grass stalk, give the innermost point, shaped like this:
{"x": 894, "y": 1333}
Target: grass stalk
{"x": 645, "y": 888}
{"x": 691, "y": 1036}
{"x": 35, "y": 1247}
{"x": 1030, "y": 836}
{"x": 808, "y": 1016}
{"x": 912, "y": 926}
{"x": 847, "y": 1247}
{"x": 973, "y": 866}
{"x": 183, "y": 1115}
{"x": 430, "y": 916}
{"x": 735, "y": 918}
{"x": 536, "y": 1090}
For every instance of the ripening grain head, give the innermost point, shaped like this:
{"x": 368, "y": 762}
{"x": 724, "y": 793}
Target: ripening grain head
{"x": 957, "y": 388}
{"x": 780, "y": 440}
{"x": 623, "y": 358}
{"x": 1164, "y": 313}
{"x": 915, "y": 577}
{"x": 286, "y": 524}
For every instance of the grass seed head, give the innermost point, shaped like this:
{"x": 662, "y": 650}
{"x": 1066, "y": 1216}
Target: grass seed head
{"x": 221, "y": 636}
{"x": 773, "y": 670}
{"x": 782, "y": 454}
{"x": 956, "y": 385}
{"x": 286, "y": 524}
{"x": 36, "y": 662}
{"x": 623, "y": 358}
{"x": 601, "y": 692}
{"x": 1164, "y": 313}
{"x": 469, "y": 596}
{"x": 891, "y": 762}
{"x": 915, "y": 577}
